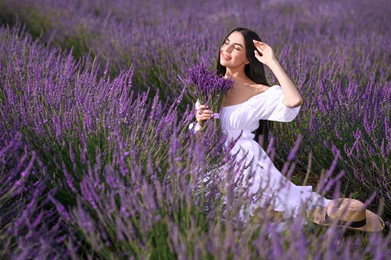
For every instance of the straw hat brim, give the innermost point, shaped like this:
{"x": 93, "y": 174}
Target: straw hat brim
{"x": 373, "y": 222}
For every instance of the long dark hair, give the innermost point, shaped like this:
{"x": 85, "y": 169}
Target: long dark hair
{"x": 256, "y": 72}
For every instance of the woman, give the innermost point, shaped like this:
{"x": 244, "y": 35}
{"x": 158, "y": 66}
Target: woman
{"x": 246, "y": 107}
{"x": 248, "y": 104}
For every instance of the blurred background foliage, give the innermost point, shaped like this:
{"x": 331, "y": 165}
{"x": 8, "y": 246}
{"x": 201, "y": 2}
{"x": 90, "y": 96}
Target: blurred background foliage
{"x": 87, "y": 70}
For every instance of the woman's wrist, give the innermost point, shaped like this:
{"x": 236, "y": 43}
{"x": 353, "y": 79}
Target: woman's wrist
{"x": 200, "y": 123}
{"x": 273, "y": 64}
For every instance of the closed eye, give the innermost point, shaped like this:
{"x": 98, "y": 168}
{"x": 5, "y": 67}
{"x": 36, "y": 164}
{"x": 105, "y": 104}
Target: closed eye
{"x": 237, "y": 46}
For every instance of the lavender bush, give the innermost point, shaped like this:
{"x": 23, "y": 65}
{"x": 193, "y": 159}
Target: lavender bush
{"x": 95, "y": 156}
{"x": 29, "y": 224}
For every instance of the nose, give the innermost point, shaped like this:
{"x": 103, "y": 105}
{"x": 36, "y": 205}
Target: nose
{"x": 226, "y": 48}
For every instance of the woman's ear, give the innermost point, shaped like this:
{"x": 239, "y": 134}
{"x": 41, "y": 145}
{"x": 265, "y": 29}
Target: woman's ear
{"x": 247, "y": 61}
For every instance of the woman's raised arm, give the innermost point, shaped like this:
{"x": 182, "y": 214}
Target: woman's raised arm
{"x": 265, "y": 54}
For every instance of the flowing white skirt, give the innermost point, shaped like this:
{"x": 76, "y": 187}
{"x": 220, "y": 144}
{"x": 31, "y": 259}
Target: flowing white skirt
{"x": 268, "y": 186}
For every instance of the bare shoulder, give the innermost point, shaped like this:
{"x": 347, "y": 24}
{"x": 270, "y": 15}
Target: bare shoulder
{"x": 251, "y": 88}
{"x": 259, "y": 88}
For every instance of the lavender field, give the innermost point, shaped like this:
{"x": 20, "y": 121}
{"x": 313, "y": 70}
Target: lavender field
{"x": 96, "y": 158}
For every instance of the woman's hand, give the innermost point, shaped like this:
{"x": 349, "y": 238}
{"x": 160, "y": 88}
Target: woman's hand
{"x": 264, "y": 53}
{"x": 203, "y": 113}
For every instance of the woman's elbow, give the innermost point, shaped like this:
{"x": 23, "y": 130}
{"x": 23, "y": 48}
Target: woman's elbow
{"x": 299, "y": 102}
{"x": 296, "y": 102}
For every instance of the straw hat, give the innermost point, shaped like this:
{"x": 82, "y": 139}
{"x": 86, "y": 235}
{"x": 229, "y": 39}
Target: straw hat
{"x": 350, "y": 213}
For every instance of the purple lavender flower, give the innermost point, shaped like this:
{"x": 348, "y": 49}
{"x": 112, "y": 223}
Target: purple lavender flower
{"x": 206, "y": 85}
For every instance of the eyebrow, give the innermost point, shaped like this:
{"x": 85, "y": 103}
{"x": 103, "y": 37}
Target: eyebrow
{"x": 235, "y": 43}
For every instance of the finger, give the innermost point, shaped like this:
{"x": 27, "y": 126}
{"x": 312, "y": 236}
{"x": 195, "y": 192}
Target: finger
{"x": 206, "y": 111}
{"x": 257, "y": 54}
{"x": 202, "y": 107}
{"x": 260, "y": 48}
{"x": 207, "y": 114}
{"x": 204, "y": 117}
{"x": 259, "y": 43}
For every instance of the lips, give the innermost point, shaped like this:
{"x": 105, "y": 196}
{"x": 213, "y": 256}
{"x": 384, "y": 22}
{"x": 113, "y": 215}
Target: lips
{"x": 225, "y": 57}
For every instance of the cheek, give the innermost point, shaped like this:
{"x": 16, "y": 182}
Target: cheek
{"x": 240, "y": 56}
{"x": 223, "y": 48}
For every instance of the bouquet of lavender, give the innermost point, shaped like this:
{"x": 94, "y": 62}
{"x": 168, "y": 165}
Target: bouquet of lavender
{"x": 207, "y": 86}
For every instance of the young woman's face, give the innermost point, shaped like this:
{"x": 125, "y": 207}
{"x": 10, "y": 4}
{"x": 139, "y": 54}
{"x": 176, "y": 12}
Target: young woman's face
{"x": 233, "y": 51}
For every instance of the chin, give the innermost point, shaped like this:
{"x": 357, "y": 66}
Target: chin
{"x": 223, "y": 62}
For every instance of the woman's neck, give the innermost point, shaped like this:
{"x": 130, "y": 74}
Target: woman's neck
{"x": 236, "y": 75}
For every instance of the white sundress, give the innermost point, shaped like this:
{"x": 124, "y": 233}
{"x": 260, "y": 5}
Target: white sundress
{"x": 241, "y": 120}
